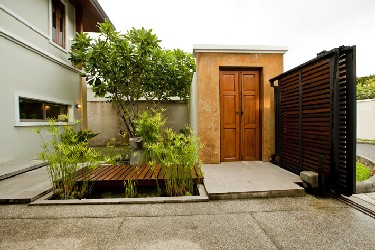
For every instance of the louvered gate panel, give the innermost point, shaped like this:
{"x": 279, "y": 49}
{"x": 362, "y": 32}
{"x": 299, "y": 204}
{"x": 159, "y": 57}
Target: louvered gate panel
{"x": 290, "y": 135}
{"x": 316, "y": 118}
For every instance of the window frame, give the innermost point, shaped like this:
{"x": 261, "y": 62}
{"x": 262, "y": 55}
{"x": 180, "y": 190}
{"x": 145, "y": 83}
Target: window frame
{"x": 22, "y": 123}
{"x": 65, "y": 24}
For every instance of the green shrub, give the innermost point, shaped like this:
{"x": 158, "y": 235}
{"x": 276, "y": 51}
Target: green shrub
{"x": 149, "y": 125}
{"x": 177, "y": 154}
{"x": 366, "y": 87}
{"x": 66, "y": 154}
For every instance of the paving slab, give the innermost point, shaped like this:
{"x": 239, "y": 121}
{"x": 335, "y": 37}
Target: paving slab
{"x": 247, "y": 179}
{"x": 226, "y": 231}
{"x": 319, "y": 229}
{"x": 12, "y": 168}
{"x": 84, "y": 233}
{"x": 26, "y": 187}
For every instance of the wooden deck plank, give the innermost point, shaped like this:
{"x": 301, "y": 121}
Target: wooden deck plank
{"x": 139, "y": 172}
{"x": 161, "y": 174}
{"x": 155, "y": 172}
{"x": 114, "y": 173}
{"x": 144, "y": 172}
{"x": 136, "y": 172}
{"x": 132, "y": 173}
{"x": 123, "y": 176}
{"x": 97, "y": 172}
{"x": 149, "y": 173}
{"x": 107, "y": 172}
{"x": 123, "y": 169}
{"x": 80, "y": 173}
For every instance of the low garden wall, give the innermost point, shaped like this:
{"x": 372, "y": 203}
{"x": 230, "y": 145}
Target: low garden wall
{"x": 103, "y": 118}
{"x": 366, "y": 119}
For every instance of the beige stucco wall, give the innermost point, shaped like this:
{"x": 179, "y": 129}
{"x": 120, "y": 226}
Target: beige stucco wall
{"x": 208, "y": 66}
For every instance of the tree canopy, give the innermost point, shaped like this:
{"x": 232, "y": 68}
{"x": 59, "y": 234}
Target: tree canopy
{"x": 128, "y": 67}
{"x": 366, "y": 87}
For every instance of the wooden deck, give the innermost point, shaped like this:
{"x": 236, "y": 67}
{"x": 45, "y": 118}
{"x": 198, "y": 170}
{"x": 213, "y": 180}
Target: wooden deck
{"x": 115, "y": 175}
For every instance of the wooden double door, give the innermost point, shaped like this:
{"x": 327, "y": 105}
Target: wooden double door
{"x": 239, "y": 115}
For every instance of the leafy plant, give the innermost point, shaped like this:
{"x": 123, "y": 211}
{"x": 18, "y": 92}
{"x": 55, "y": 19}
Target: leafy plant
{"x": 149, "y": 126}
{"x": 366, "y": 87}
{"x": 362, "y": 173}
{"x": 131, "y": 66}
{"x": 65, "y": 155}
{"x": 70, "y": 136}
{"x": 130, "y": 189}
{"x": 176, "y": 153}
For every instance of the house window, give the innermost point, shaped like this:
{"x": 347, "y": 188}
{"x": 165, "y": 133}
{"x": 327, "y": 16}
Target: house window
{"x": 31, "y": 110}
{"x": 58, "y": 23}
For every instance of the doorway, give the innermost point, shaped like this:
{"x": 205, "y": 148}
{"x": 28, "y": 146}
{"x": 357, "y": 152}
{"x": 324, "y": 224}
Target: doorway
{"x": 239, "y": 115}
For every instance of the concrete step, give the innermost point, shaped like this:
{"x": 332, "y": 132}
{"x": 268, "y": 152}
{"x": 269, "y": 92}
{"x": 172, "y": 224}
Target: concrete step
{"x": 13, "y": 168}
{"x": 26, "y": 187}
{"x": 240, "y": 180}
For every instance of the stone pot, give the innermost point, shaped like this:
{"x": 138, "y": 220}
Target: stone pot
{"x": 136, "y": 150}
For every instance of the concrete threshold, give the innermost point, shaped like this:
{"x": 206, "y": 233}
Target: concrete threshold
{"x": 257, "y": 194}
{"x": 111, "y": 201}
{"x": 250, "y": 179}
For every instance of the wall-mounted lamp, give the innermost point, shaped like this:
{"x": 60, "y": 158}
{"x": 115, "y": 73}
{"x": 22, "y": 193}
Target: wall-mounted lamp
{"x": 78, "y": 106}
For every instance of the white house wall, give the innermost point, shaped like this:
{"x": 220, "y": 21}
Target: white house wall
{"x": 366, "y": 119}
{"x": 31, "y": 65}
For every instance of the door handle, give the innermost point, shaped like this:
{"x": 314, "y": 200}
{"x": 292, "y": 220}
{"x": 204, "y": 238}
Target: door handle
{"x": 239, "y": 113}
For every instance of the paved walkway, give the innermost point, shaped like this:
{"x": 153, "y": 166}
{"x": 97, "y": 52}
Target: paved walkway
{"x": 222, "y": 181}
{"x": 278, "y": 223}
{"x": 248, "y": 179}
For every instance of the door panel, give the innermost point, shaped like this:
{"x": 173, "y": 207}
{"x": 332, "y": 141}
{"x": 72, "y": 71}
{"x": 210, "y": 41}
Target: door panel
{"x": 230, "y": 121}
{"x": 250, "y": 118}
{"x": 239, "y": 115}
{"x": 230, "y": 139}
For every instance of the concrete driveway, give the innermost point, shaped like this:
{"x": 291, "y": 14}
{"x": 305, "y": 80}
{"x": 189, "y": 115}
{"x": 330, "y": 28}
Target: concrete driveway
{"x": 366, "y": 150}
{"x": 268, "y": 223}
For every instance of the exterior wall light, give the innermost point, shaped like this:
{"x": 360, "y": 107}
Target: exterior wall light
{"x": 78, "y": 106}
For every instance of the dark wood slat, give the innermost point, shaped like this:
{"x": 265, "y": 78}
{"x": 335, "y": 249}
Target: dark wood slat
{"x": 144, "y": 172}
{"x": 132, "y": 173}
{"x": 108, "y": 172}
{"x": 149, "y": 174}
{"x": 98, "y": 172}
{"x": 161, "y": 175}
{"x": 129, "y": 169}
{"x": 156, "y": 172}
{"x": 113, "y": 173}
{"x": 123, "y": 169}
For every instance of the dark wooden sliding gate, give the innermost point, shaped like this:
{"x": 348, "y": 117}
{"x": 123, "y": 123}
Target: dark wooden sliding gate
{"x": 316, "y": 119}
